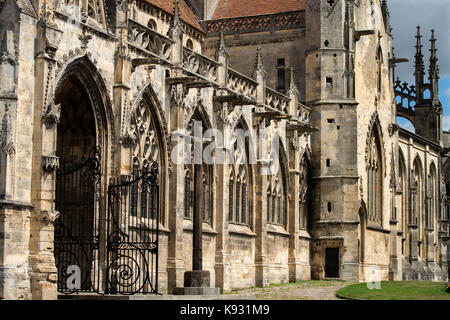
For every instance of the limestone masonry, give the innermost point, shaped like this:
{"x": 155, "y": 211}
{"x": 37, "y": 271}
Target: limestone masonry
{"x": 98, "y": 99}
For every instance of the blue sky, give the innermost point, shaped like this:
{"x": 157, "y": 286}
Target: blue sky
{"x": 406, "y": 15}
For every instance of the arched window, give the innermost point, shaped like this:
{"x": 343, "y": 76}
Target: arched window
{"x": 277, "y": 194}
{"x": 238, "y": 185}
{"x": 432, "y": 195}
{"x": 145, "y": 153}
{"x": 403, "y": 209}
{"x": 189, "y": 44}
{"x": 375, "y": 178}
{"x": 304, "y": 198}
{"x": 418, "y": 209}
{"x": 231, "y": 195}
{"x": 152, "y": 25}
{"x": 190, "y": 184}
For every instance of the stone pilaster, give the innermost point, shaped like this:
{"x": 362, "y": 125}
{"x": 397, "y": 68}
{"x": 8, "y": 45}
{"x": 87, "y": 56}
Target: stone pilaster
{"x": 175, "y": 261}
{"x": 222, "y": 265}
{"x": 294, "y": 209}
{"x": 261, "y": 182}
{"x": 46, "y": 118}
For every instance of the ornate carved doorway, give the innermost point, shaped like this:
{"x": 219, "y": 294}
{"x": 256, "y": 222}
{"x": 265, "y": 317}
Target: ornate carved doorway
{"x": 78, "y": 192}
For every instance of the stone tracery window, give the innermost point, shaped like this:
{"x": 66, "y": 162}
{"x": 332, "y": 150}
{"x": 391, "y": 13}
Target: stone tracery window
{"x": 375, "y": 178}
{"x": 402, "y": 188}
{"x": 276, "y": 199}
{"x": 304, "y": 196}
{"x": 238, "y": 211}
{"x": 145, "y": 152}
{"x": 419, "y": 201}
{"x": 432, "y": 197}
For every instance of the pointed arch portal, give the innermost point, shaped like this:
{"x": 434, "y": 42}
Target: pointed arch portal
{"x": 78, "y": 192}
{"x": 104, "y": 241}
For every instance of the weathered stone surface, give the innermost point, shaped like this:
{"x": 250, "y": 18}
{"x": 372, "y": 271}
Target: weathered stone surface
{"x": 130, "y": 82}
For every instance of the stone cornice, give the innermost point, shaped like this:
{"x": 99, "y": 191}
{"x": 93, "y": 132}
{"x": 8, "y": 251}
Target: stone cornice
{"x": 15, "y": 204}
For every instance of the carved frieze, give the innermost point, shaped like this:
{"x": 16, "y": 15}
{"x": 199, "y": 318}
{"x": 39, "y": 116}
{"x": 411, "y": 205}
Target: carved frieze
{"x": 50, "y": 163}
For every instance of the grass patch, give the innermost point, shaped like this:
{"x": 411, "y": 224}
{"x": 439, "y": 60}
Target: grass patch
{"x": 397, "y": 290}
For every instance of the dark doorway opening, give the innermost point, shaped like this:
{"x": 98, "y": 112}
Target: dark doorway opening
{"x": 332, "y": 263}
{"x": 78, "y": 191}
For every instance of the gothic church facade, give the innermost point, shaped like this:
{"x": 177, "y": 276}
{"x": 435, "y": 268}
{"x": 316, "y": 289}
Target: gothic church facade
{"x": 98, "y": 97}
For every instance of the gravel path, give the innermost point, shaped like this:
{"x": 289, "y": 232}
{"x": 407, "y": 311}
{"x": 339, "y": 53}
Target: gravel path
{"x": 305, "y": 290}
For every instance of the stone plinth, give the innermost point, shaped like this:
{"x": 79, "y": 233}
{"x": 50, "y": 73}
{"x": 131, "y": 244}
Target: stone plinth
{"x": 197, "y": 282}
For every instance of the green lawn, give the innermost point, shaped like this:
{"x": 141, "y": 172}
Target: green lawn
{"x": 397, "y": 290}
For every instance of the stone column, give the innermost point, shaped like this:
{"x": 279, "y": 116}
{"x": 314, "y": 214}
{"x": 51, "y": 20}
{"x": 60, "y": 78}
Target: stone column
{"x": 412, "y": 223}
{"x": 393, "y": 222}
{"x": 222, "y": 265}
{"x": 46, "y": 117}
{"x": 175, "y": 261}
{"x": 294, "y": 208}
{"x": 261, "y": 216}
{"x": 121, "y": 93}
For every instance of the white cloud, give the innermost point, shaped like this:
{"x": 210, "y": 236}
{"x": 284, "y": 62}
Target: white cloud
{"x": 446, "y": 123}
{"x": 447, "y": 92}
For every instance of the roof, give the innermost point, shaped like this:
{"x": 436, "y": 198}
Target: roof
{"x": 238, "y": 8}
{"x": 186, "y": 14}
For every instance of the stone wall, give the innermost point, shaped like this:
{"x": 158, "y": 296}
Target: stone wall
{"x": 134, "y": 64}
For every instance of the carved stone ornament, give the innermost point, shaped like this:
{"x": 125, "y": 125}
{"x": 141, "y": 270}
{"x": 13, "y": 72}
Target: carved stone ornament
{"x": 49, "y": 216}
{"x": 361, "y": 187}
{"x": 128, "y": 138}
{"x": 178, "y": 96}
{"x": 294, "y": 143}
{"x": 393, "y": 128}
{"x": 122, "y": 5}
{"x": 52, "y": 113}
{"x": 50, "y": 163}
{"x": 6, "y": 134}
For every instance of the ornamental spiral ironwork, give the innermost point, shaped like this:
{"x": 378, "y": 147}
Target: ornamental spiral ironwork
{"x": 133, "y": 227}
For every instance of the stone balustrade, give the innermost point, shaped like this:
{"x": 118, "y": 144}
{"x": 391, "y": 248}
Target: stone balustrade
{"x": 241, "y": 84}
{"x": 147, "y": 39}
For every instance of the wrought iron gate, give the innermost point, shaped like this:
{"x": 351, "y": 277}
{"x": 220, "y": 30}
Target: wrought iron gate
{"x": 132, "y": 233}
{"x": 77, "y": 229}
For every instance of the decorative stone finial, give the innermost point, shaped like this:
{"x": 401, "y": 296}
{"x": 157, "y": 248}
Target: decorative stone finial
{"x": 221, "y": 47}
{"x": 176, "y": 26}
{"x": 292, "y": 86}
{"x": 259, "y": 65}
{"x": 434, "y": 67}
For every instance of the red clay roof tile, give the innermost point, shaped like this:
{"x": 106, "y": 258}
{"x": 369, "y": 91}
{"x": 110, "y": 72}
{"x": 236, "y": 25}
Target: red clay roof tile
{"x": 186, "y": 14}
{"x": 243, "y": 8}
